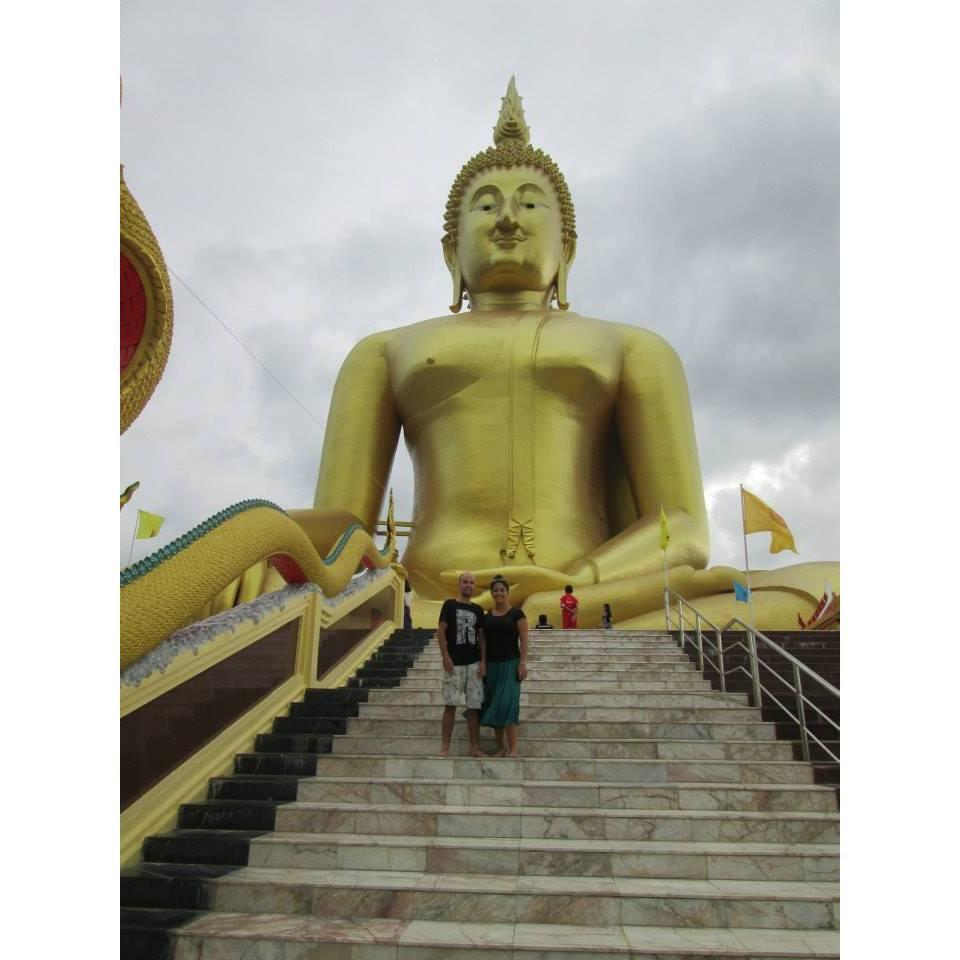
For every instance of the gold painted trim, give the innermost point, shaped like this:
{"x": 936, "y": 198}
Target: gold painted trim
{"x": 188, "y": 664}
{"x": 146, "y": 367}
{"x": 156, "y": 811}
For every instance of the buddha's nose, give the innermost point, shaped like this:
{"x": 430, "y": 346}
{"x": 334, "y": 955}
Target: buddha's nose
{"x": 507, "y": 219}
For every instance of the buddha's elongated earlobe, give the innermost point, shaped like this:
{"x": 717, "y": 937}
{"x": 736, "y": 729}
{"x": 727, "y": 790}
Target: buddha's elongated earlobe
{"x": 453, "y": 265}
{"x": 560, "y": 290}
{"x": 457, "y": 289}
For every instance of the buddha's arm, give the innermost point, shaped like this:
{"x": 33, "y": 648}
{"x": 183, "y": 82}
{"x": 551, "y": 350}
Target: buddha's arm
{"x": 655, "y": 425}
{"x": 359, "y": 444}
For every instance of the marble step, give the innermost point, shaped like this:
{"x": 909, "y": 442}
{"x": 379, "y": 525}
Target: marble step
{"x": 588, "y": 650}
{"x": 719, "y": 726}
{"x": 636, "y": 795}
{"x": 536, "y": 683}
{"x": 651, "y": 859}
{"x": 533, "y": 822}
{"x": 597, "y": 653}
{"x": 500, "y": 898}
{"x": 665, "y": 656}
{"x": 672, "y": 661}
{"x": 146, "y": 933}
{"x": 434, "y": 674}
{"x": 622, "y": 749}
{"x": 595, "y": 635}
{"x": 594, "y": 651}
{"x": 565, "y": 770}
{"x": 675, "y": 699}
{"x": 223, "y": 847}
{"x": 239, "y": 936}
{"x": 600, "y": 632}
{"x": 565, "y": 644}
{"x": 568, "y": 698}
{"x": 681, "y": 712}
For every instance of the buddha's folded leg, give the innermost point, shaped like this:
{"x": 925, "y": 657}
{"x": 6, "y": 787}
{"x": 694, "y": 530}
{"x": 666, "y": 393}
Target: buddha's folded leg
{"x": 773, "y": 609}
{"x": 637, "y": 602}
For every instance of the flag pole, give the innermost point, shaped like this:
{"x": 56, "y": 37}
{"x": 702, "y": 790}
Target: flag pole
{"x": 666, "y": 590}
{"x": 746, "y": 556}
{"x": 133, "y": 539}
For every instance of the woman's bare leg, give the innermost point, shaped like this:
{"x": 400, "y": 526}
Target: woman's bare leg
{"x": 512, "y": 733}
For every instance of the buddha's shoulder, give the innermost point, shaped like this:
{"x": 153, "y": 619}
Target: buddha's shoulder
{"x": 631, "y": 335}
{"x": 384, "y": 339}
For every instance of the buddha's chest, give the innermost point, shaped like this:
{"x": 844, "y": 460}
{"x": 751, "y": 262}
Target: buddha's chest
{"x": 566, "y": 360}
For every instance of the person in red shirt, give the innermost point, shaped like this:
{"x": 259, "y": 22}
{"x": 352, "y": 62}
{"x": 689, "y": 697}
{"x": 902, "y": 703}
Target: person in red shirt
{"x": 569, "y": 605}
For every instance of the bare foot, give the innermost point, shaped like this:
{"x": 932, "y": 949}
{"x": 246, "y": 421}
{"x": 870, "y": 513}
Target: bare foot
{"x": 500, "y": 753}
{"x": 513, "y": 755}
{"x": 444, "y": 752}
{"x": 477, "y": 752}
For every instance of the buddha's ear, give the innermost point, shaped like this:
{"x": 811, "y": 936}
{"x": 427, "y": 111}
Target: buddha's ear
{"x": 566, "y": 261}
{"x": 453, "y": 265}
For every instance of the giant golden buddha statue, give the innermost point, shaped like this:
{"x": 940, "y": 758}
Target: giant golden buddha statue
{"x": 543, "y": 441}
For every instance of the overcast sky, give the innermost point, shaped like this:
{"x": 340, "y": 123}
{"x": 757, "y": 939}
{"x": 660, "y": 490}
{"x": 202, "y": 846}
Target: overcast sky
{"x": 294, "y": 160}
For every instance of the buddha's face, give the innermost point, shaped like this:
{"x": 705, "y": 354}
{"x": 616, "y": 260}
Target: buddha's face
{"x": 509, "y": 236}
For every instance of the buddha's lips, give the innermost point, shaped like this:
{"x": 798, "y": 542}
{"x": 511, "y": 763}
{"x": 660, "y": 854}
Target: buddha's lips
{"x": 503, "y": 241}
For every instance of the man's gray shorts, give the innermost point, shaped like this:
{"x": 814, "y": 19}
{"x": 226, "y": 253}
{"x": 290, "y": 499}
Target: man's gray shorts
{"x": 463, "y": 682}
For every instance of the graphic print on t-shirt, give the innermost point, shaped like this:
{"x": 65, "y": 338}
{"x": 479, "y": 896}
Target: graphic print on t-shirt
{"x": 466, "y": 627}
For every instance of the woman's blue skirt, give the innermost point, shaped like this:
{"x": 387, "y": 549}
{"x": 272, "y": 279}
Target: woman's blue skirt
{"x": 501, "y": 702}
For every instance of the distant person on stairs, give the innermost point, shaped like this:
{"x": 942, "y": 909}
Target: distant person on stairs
{"x": 569, "y": 605}
{"x": 542, "y": 623}
{"x": 505, "y": 637}
{"x": 606, "y": 618}
{"x": 460, "y": 637}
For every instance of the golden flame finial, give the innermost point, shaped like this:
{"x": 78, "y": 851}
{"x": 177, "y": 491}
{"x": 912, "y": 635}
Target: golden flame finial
{"x": 511, "y": 124}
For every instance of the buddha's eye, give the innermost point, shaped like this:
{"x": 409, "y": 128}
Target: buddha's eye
{"x": 529, "y": 204}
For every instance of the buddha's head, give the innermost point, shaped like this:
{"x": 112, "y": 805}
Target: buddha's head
{"x": 510, "y": 223}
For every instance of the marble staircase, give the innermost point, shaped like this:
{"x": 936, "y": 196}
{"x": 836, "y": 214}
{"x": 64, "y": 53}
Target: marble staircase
{"x": 650, "y": 816}
{"x": 818, "y": 650}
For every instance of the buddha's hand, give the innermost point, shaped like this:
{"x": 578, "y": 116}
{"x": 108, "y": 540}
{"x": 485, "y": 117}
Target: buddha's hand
{"x": 524, "y": 579}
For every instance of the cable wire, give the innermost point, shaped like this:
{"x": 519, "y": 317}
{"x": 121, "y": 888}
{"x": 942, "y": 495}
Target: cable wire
{"x": 272, "y": 375}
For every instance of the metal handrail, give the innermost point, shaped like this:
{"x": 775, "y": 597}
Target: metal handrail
{"x": 799, "y": 663}
{"x": 718, "y": 646}
{"x": 798, "y": 668}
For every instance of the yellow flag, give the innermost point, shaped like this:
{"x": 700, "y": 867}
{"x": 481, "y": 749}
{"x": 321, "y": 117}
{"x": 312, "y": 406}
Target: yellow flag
{"x": 148, "y": 525}
{"x": 757, "y": 516}
{"x": 664, "y": 532}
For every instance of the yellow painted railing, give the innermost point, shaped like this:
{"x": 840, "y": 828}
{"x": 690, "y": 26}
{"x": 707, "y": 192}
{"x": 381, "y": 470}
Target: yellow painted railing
{"x": 156, "y": 810}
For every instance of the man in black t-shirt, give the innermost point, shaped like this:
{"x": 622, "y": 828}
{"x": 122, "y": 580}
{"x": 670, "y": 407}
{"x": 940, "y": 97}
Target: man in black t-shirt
{"x": 463, "y": 653}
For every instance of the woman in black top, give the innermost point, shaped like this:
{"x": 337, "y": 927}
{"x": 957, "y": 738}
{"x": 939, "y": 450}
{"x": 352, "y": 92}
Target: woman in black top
{"x": 505, "y": 665}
